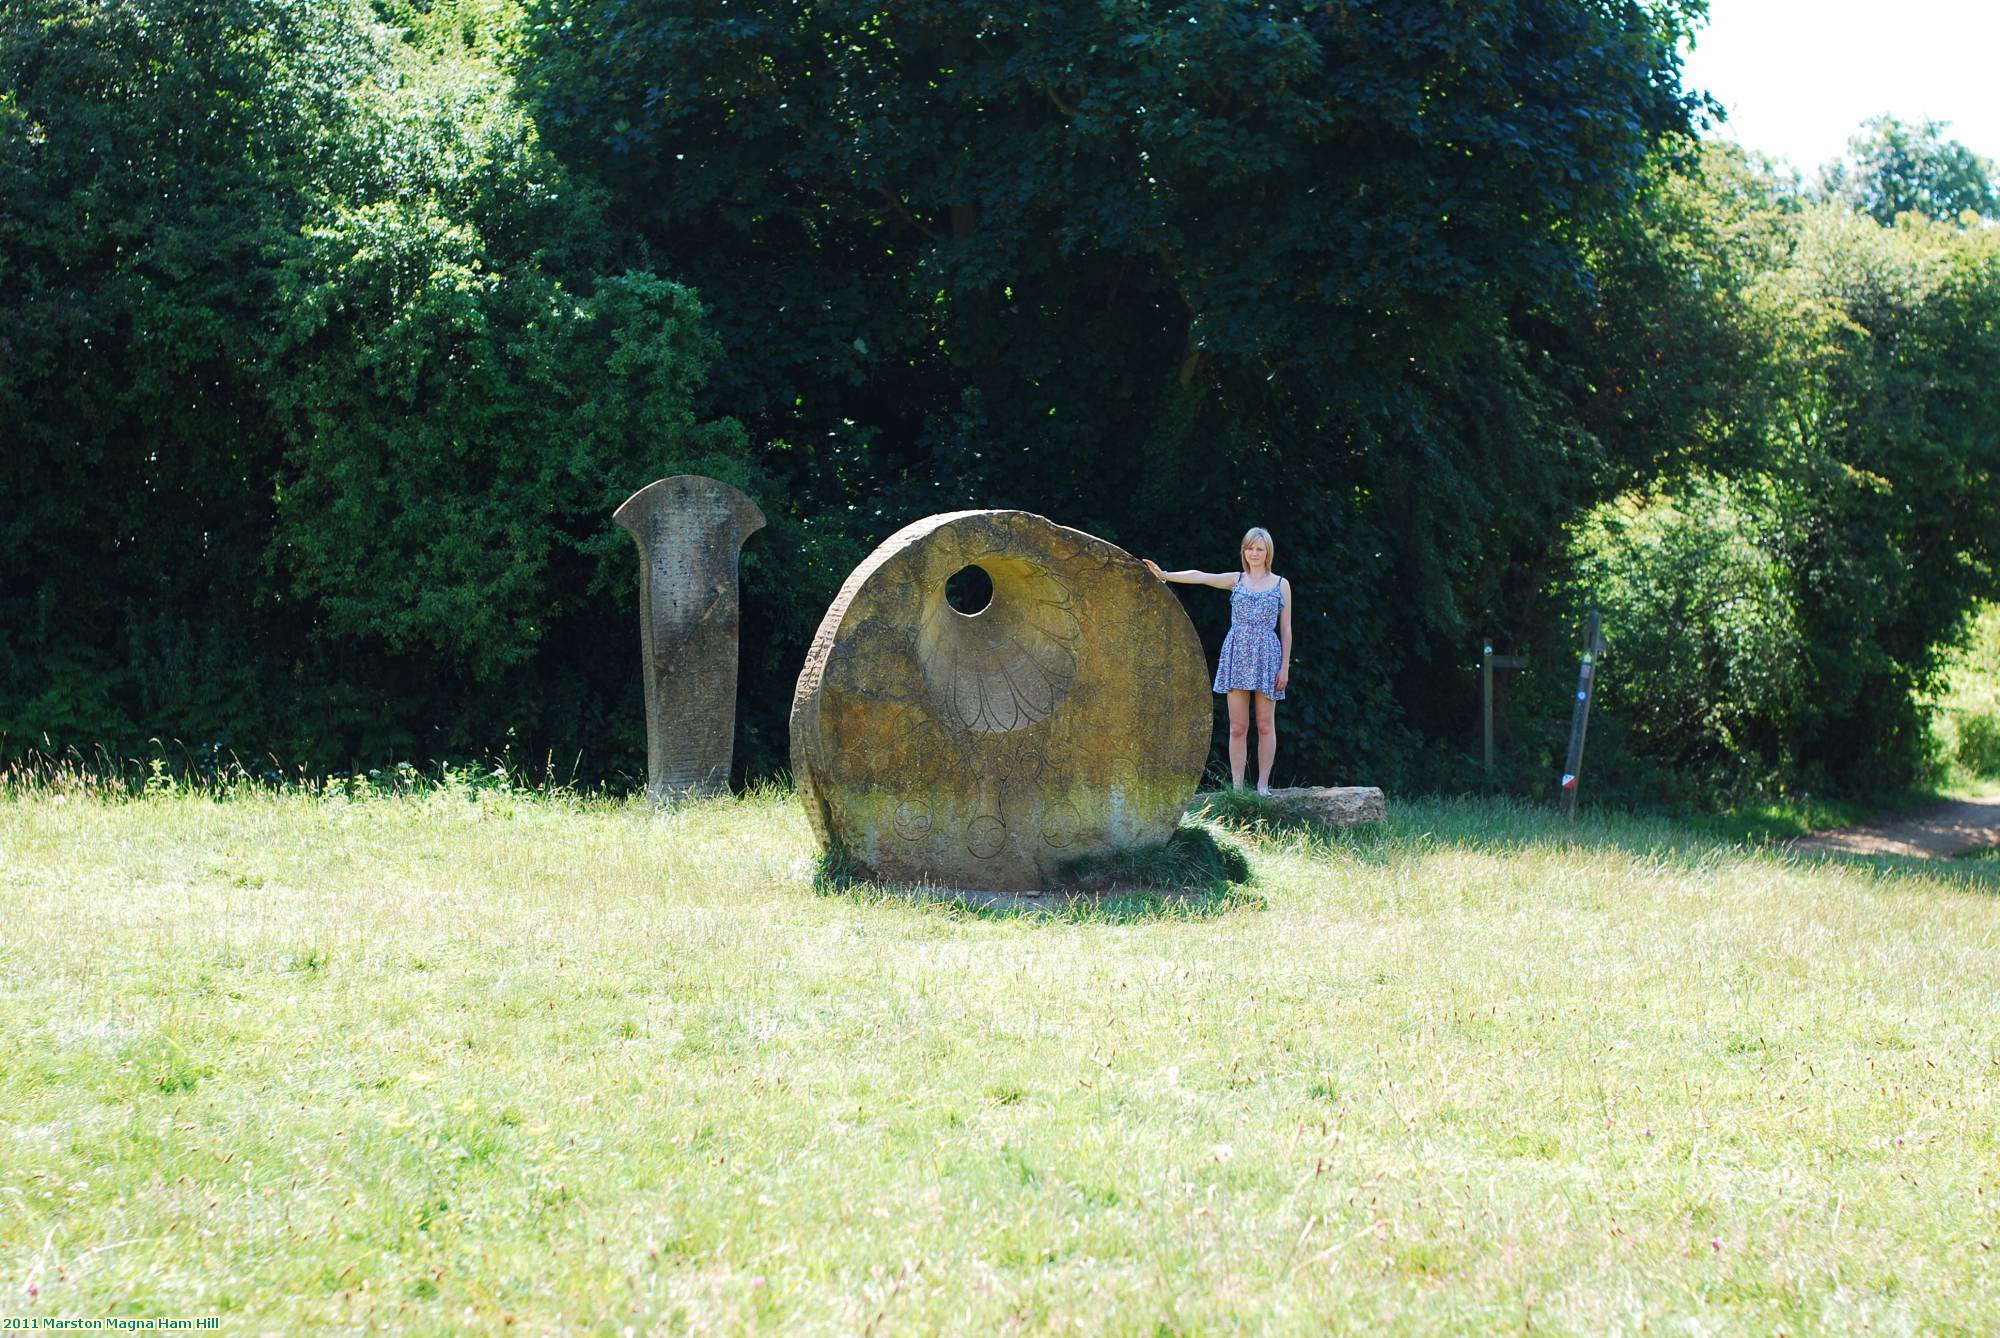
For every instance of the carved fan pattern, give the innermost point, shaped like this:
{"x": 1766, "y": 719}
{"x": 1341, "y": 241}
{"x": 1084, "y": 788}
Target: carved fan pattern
{"x": 1006, "y": 667}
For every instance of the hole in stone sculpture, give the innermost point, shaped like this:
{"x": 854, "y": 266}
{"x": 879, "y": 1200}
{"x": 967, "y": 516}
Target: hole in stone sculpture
{"x": 969, "y": 590}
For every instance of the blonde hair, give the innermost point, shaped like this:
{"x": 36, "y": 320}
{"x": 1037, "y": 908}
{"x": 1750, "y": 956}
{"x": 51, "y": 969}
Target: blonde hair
{"x": 1270, "y": 547}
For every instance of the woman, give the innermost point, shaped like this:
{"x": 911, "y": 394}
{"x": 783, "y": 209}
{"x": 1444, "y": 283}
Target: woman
{"x": 1256, "y": 659}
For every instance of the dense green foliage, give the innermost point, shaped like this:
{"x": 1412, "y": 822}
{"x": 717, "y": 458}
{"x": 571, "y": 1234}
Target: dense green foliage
{"x": 1162, "y": 271}
{"x": 330, "y": 335}
{"x": 1785, "y": 625}
{"x": 322, "y": 377}
{"x": 135, "y": 146}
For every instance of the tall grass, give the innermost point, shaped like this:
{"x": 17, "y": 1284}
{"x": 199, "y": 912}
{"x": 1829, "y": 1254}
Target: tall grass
{"x": 215, "y": 772}
{"x": 460, "y": 1056}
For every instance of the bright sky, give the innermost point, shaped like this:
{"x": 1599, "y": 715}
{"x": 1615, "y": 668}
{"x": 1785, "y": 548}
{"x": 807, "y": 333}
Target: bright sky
{"x": 1799, "y": 76}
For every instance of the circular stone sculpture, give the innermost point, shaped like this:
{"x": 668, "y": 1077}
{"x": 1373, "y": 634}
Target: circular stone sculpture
{"x": 991, "y": 749}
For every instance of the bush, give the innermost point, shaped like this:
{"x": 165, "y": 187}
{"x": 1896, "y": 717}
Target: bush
{"x": 1709, "y": 669}
{"x": 1978, "y": 748}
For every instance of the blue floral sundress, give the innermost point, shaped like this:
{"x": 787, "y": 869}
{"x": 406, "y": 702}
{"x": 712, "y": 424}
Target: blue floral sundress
{"x": 1251, "y": 653}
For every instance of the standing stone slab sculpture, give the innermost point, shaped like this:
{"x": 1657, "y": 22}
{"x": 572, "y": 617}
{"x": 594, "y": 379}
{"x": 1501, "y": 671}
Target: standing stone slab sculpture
{"x": 991, "y": 750}
{"x": 690, "y": 531}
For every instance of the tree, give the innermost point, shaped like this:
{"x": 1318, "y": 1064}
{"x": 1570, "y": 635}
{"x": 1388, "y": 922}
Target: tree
{"x": 1157, "y": 269}
{"x": 152, "y": 157}
{"x": 1895, "y": 167}
{"x": 1786, "y": 602}
{"x": 1886, "y": 451}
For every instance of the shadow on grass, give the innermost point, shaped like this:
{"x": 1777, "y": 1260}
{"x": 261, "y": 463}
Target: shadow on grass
{"x": 1976, "y": 871}
{"x": 1200, "y": 873}
{"x": 1508, "y": 826}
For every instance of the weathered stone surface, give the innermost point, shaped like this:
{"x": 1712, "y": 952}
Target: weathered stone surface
{"x": 690, "y": 531}
{"x": 1339, "y": 805}
{"x": 1069, "y": 718}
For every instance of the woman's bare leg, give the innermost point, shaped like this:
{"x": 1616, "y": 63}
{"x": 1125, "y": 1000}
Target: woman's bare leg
{"x": 1239, "y": 734}
{"x": 1267, "y": 740}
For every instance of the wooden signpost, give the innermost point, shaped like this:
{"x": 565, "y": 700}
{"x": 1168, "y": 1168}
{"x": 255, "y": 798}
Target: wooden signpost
{"x": 1488, "y": 662}
{"x": 1586, "y": 686}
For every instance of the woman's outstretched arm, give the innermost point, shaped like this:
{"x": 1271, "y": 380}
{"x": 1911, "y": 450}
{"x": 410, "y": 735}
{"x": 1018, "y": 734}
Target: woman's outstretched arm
{"x": 1221, "y": 580}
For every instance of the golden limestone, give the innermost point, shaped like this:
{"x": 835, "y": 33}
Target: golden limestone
{"x": 993, "y": 749}
{"x": 689, "y": 530}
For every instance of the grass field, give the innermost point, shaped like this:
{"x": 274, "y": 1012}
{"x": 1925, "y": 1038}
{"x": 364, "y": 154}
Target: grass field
{"x": 463, "y": 1060}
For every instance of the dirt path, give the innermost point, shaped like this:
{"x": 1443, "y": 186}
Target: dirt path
{"x": 1926, "y": 833}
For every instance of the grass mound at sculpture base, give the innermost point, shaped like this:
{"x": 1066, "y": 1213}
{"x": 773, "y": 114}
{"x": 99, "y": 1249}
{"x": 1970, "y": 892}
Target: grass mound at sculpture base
{"x": 1199, "y": 864}
{"x": 1198, "y": 857}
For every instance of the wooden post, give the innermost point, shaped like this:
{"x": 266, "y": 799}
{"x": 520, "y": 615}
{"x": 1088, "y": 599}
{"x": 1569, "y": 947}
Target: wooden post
{"x": 1586, "y": 686}
{"x": 1486, "y": 700}
{"x": 1488, "y": 662}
